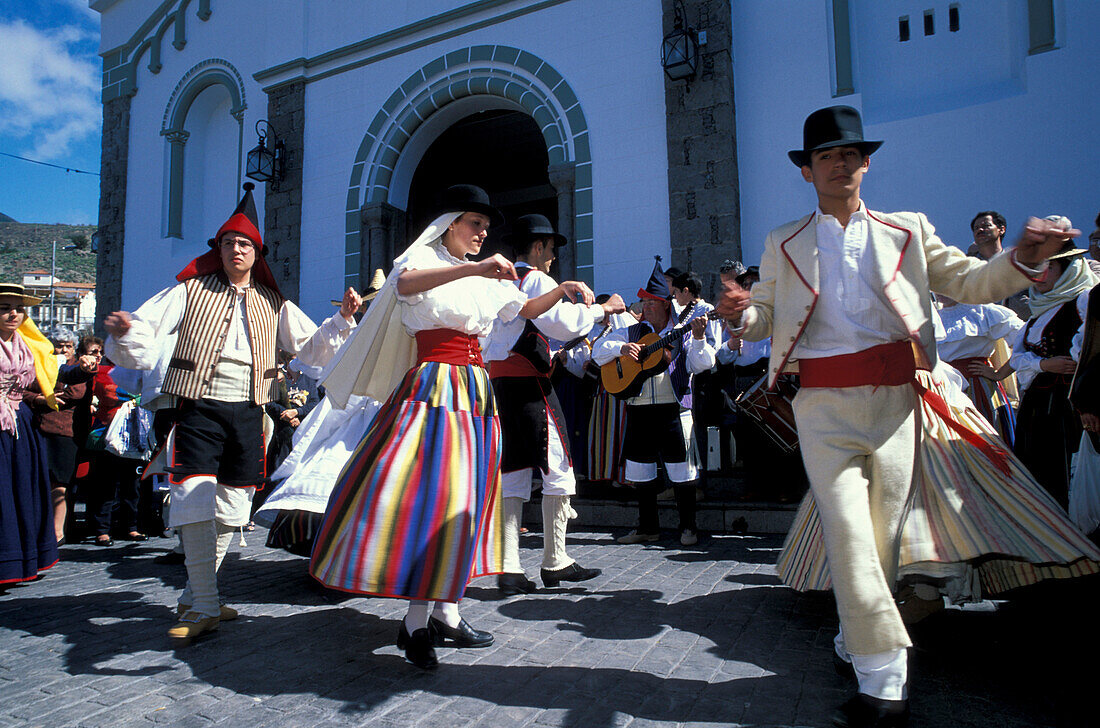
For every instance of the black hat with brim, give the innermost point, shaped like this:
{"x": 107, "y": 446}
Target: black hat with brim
{"x": 469, "y": 198}
{"x": 833, "y": 126}
{"x": 532, "y": 226}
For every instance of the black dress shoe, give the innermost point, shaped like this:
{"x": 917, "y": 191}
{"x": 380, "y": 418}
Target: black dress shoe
{"x": 573, "y": 572}
{"x": 418, "y": 647}
{"x": 461, "y": 636}
{"x": 512, "y": 584}
{"x": 844, "y": 669}
{"x": 863, "y": 711}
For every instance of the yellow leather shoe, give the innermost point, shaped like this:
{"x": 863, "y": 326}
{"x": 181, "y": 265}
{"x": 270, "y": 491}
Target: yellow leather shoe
{"x": 190, "y": 626}
{"x": 228, "y": 614}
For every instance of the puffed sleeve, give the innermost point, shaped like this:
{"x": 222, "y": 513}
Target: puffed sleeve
{"x": 505, "y": 298}
{"x": 153, "y": 327}
{"x": 422, "y": 257}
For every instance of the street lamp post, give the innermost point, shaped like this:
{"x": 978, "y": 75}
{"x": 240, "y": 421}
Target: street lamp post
{"x": 53, "y": 278}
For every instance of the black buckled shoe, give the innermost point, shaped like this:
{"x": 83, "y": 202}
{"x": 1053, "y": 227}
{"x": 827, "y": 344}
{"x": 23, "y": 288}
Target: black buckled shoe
{"x": 513, "y": 584}
{"x": 573, "y": 572}
{"x": 418, "y": 647}
{"x": 461, "y": 636}
{"x": 863, "y": 711}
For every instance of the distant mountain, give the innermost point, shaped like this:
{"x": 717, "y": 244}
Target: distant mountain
{"x": 29, "y": 246}
{"x": 5, "y": 218}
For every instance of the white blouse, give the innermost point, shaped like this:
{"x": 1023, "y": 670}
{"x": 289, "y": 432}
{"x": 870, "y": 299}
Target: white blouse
{"x": 470, "y": 304}
{"x": 973, "y": 330}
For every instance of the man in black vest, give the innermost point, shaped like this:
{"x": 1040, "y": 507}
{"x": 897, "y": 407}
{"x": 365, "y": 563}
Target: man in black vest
{"x": 211, "y": 343}
{"x": 534, "y": 431}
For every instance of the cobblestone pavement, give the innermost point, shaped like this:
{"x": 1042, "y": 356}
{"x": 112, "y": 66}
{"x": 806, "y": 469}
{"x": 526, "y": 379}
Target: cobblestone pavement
{"x": 666, "y": 636}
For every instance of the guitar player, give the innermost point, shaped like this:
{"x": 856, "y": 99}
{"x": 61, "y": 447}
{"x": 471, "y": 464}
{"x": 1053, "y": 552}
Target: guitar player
{"x": 658, "y": 419}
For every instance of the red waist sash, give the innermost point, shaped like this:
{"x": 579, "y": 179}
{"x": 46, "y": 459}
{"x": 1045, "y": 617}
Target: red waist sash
{"x": 448, "y": 346}
{"x": 515, "y": 365}
{"x": 891, "y": 365}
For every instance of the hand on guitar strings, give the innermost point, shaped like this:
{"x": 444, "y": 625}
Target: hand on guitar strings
{"x": 632, "y": 350}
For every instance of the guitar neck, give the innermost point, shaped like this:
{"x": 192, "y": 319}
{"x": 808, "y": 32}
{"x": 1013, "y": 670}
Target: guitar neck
{"x": 671, "y": 336}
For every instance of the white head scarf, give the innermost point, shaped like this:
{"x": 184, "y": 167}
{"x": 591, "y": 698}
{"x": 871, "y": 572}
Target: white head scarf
{"x": 376, "y": 356}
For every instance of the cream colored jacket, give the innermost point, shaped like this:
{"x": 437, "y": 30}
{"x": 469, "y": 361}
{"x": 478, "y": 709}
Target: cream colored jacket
{"x": 910, "y": 260}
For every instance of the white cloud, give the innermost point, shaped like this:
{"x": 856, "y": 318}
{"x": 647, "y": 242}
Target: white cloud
{"x": 49, "y": 88}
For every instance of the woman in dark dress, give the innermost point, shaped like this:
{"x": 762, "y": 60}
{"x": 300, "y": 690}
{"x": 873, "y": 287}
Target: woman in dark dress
{"x": 27, "y": 541}
{"x": 1047, "y": 428}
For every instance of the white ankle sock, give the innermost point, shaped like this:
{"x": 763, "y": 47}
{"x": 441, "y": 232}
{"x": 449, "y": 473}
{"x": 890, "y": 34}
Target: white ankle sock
{"x": 447, "y": 612}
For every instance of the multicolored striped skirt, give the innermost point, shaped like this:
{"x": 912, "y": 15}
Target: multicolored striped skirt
{"x": 416, "y": 511}
{"x": 606, "y": 428}
{"x": 1005, "y": 530}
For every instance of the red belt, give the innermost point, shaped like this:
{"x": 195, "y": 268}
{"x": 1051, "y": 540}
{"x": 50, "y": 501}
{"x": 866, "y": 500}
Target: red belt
{"x": 890, "y": 365}
{"x": 514, "y": 366}
{"x": 448, "y": 346}
{"x": 963, "y": 364}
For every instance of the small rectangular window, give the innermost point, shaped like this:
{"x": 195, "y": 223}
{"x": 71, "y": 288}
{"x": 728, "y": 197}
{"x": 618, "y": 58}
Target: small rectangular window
{"x": 903, "y": 28}
{"x": 929, "y": 22}
{"x": 953, "y": 18}
{"x": 1040, "y": 19}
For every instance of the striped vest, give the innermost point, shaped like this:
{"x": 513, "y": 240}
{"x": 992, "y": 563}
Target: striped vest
{"x": 210, "y": 303}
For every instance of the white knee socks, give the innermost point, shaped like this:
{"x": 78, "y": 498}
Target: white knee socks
{"x": 556, "y": 513}
{"x": 512, "y": 517}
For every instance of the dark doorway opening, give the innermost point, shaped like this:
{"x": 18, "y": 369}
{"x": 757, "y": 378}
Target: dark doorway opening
{"x": 504, "y": 153}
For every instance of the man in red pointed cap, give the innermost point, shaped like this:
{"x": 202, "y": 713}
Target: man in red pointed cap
{"x": 658, "y": 416}
{"x": 211, "y": 342}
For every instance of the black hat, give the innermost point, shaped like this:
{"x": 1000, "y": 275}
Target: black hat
{"x": 752, "y": 270}
{"x": 468, "y": 198}
{"x": 833, "y": 126}
{"x": 655, "y": 287}
{"x": 533, "y": 226}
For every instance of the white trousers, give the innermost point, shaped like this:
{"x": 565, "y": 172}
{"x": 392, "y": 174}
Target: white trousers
{"x": 558, "y": 480}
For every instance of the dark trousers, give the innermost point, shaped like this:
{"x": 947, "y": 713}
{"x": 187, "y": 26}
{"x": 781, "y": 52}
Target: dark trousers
{"x": 648, "y": 521}
{"x": 113, "y": 494}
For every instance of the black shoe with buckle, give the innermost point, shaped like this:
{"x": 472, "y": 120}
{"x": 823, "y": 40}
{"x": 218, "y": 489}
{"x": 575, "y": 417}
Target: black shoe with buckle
{"x": 864, "y": 711}
{"x": 513, "y": 584}
{"x": 418, "y": 647}
{"x": 573, "y": 572}
{"x": 461, "y": 636}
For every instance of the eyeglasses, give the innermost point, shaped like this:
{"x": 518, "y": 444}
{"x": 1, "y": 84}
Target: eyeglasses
{"x": 242, "y": 244}
{"x": 95, "y": 352}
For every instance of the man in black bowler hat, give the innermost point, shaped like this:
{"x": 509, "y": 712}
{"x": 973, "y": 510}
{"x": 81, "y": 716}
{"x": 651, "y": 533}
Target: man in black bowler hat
{"x": 844, "y": 293}
{"x": 534, "y": 431}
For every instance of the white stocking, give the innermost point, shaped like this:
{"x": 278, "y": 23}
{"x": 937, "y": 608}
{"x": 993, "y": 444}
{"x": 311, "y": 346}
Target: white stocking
{"x": 447, "y": 612}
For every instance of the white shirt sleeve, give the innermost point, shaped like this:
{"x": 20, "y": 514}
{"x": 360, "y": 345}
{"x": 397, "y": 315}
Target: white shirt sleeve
{"x": 1003, "y": 322}
{"x": 700, "y": 355}
{"x": 1079, "y": 337}
{"x": 575, "y": 360}
{"x": 564, "y": 321}
{"x": 610, "y": 346}
{"x": 1024, "y": 362}
{"x": 313, "y": 345}
{"x": 153, "y": 328}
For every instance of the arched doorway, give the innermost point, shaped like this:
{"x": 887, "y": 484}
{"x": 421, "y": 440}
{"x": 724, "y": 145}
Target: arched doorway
{"x": 501, "y": 151}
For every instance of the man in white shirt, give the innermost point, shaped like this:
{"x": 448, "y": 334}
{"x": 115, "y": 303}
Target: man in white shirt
{"x": 532, "y": 423}
{"x": 212, "y": 342}
{"x": 658, "y": 419}
{"x": 845, "y": 292}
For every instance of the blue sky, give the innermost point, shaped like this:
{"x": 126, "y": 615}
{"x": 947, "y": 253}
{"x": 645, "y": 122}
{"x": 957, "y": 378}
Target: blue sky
{"x": 50, "y": 78}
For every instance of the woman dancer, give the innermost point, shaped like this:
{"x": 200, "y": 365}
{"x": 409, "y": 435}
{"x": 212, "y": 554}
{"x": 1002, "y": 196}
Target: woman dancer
{"x": 970, "y": 340}
{"x": 414, "y": 512}
{"x": 1048, "y": 429}
{"x": 27, "y": 539}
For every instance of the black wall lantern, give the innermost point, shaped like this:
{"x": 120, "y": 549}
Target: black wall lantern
{"x": 680, "y": 48}
{"x": 267, "y": 163}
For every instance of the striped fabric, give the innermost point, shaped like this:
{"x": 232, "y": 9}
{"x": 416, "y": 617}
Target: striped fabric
{"x": 606, "y": 427}
{"x": 210, "y": 301}
{"x": 293, "y": 528}
{"x": 990, "y": 399}
{"x": 964, "y": 511}
{"x": 415, "y": 512}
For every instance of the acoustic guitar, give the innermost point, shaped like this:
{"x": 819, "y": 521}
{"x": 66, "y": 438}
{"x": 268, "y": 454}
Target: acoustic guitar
{"x": 624, "y": 376}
